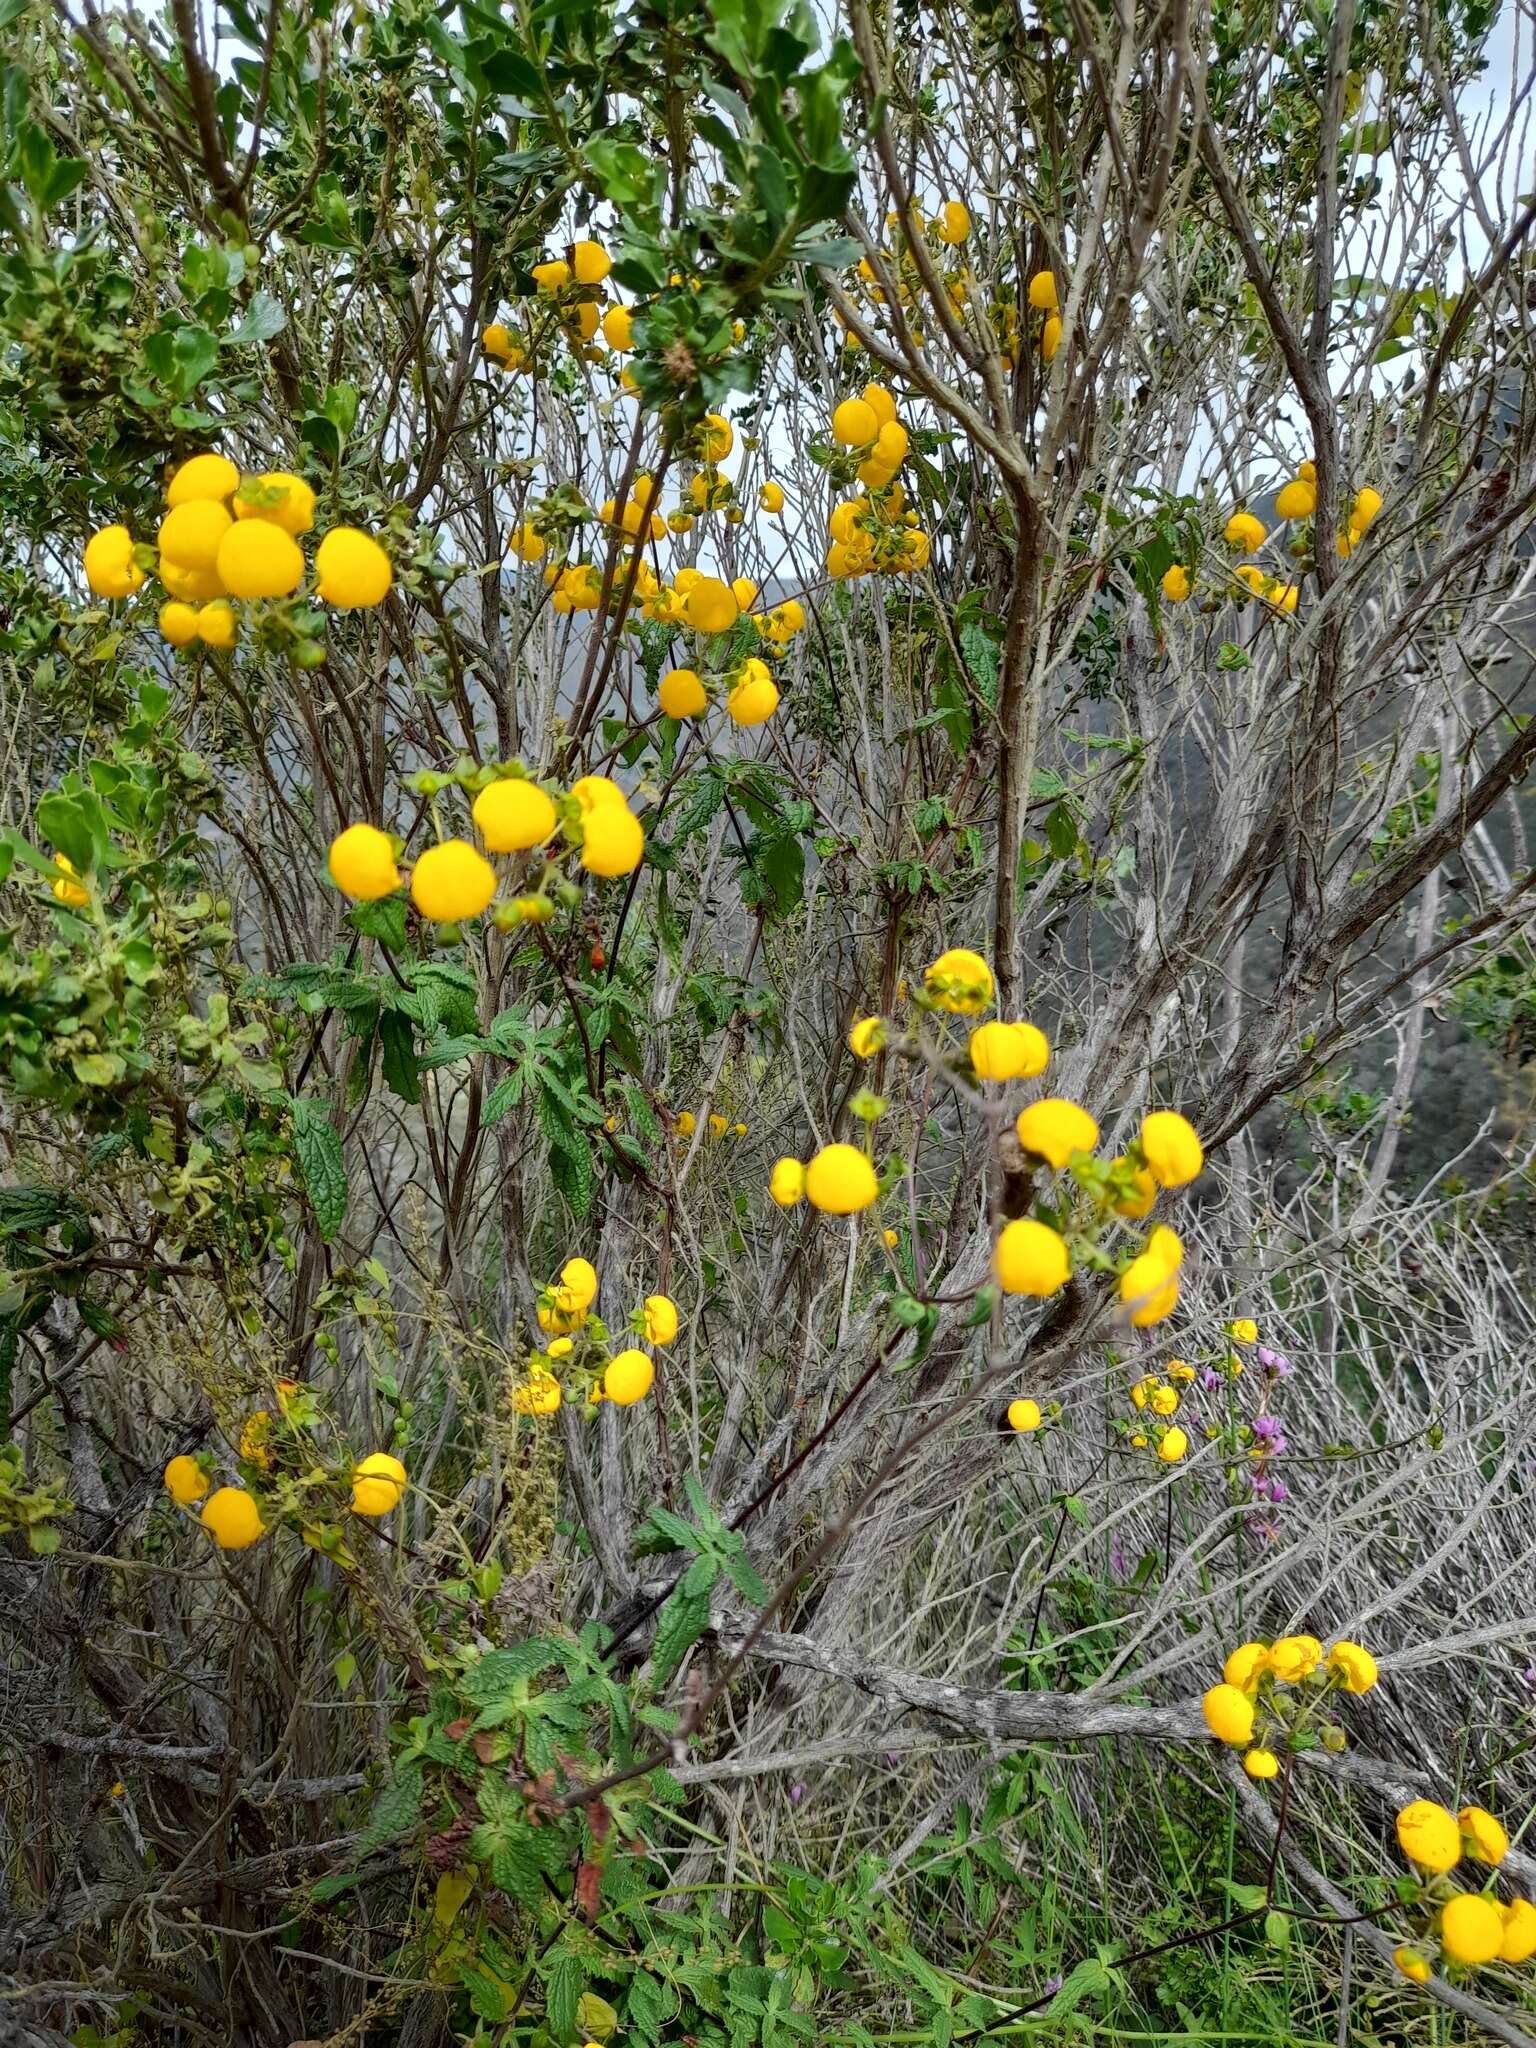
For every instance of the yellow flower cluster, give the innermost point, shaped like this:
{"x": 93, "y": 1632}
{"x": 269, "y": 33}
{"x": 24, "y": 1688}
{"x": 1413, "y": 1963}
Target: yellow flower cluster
{"x": 1246, "y": 534}
{"x": 876, "y": 532}
{"x": 685, "y": 1123}
{"x": 232, "y": 1515}
{"x": 453, "y": 880}
{"x": 693, "y": 601}
{"x": 1249, "y": 1710}
{"x": 840, "y": 1180}
{"x": 1157, "y": 1401}
{"x": 226, "y": 537}
{"x": 1031, "y": 1257}
{"x": 948, "y": 229}
{"x": 568, "y": 300}
{"x": 1470, "y": 1927}
{"x": 1167, "y": 1154}
{"x": 564, "y": 1313}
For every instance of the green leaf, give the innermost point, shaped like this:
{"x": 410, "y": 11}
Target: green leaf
{"x": 662, "y": 1532}
{"x": 517, "y": 1855}
{"x": 28, "y": 1208}
{"x": 683, "y": 1620}
{"x": 76, "y": 825}
{"x": 1371, "y": 138}
{"x": 318, "y": 1147}
{"x": 561, "y": 1996}
{"x": 397, "y": 1045}
{"x": 383, "y": 920}
{"x": 264, "y": 317}
{"x": 321, "y": 434}
{"x": 627, "y": 173}
{"x": 486, "y": 1995}
{"x": 1248, "y": 1898}
{"x": 1087, "y": 1980}
{"x": 499, "y": 1670}
{"x": 97, "y": 1069}
{"x": 1061, "y": 832}
{"x": 836, "y": 252}
{"x": 644, "y": 2007}
{"x": 66, "y": 174}
{"x": 504, "y": 1096}
{"x": 194, "y": 352}
{"x": 396, "y": 1810}
{"x": 980, "y": 651}
{"x": 339, "y": 406}
{"x": 448, "y": 1052}
{"x": 700, "y": 1575}
{"x": 743, "y": 1575}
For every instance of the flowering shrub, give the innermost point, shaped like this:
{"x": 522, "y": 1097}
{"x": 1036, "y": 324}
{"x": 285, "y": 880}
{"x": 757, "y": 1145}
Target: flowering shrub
{"x": 716, "y": 721}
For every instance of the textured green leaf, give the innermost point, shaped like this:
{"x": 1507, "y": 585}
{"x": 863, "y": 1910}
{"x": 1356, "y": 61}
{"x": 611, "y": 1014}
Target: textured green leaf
{"x": 33, "y": 1208}
{"x": 742, "y": 1574}
{"x": 397, "y": 1044}
{"x": 683, "y": 1620}
{"x": 384, "y": 920}
{"x": 498, "y": 1670}
{"x": 980, "y": 651}
{"x": 1086, "y": 1980}
{"x": 504, "y": 1096}
{"x": 488, "y": 1998}
{"x": 396, "y": 1810}
{"x": 318, "y": 1147}
{"x": 644, "y": 2007}
{"x": 561, "y": 1996}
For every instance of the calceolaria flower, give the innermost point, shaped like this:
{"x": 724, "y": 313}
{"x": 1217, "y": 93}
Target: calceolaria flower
{"x": 1429, "y": 1836}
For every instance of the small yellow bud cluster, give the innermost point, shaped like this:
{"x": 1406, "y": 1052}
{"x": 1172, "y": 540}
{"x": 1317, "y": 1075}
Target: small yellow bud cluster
{"x": 1157, "y": 1402}
{"x": 949, "y": 229}
{"x": 1042, "y": 297}
{"x": 1296, "y": 500}
{"x": 567, "y": 300}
